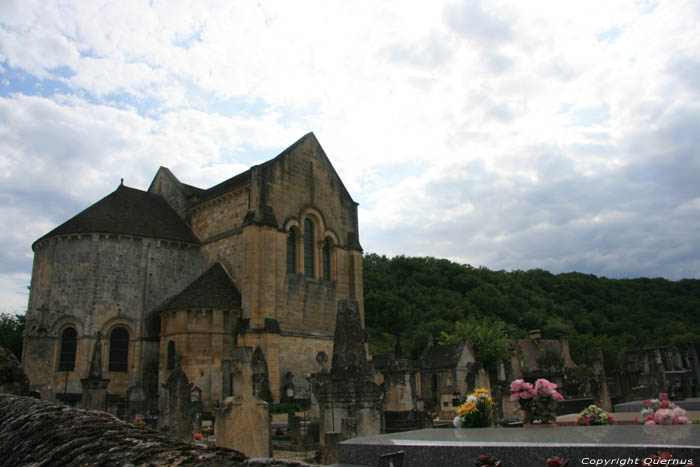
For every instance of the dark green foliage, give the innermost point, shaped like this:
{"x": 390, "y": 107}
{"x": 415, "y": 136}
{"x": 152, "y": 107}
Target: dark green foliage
{"x": 285, "y": 407}
{"x": 415, "y": 297}
{"x": 488, "y": 337}
{"x": 11, "y": 328}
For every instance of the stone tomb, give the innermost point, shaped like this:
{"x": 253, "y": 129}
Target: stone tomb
{"x": 526, "y": 447}
{"x": 243, "y": 421}
{"x": 95, "y": 386}
{"x": 350, "y": 402}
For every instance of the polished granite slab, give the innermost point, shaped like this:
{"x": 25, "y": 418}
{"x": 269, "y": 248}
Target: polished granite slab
{"x": 526, "y": 446}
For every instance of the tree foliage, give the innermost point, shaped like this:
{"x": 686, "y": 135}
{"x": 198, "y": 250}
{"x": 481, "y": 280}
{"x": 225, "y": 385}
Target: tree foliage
{"x": 410, "y": 298}
{"x": 11, "y": 328}
{"x": 488, "y": 337}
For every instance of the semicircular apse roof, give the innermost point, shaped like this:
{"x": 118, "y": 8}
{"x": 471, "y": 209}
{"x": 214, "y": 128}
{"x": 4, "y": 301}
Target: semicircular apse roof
{"x": 128, "y": 211}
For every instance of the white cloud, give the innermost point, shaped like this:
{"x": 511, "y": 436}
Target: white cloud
{"x": 500, "y": 133}
{"x": 14, "y": 293}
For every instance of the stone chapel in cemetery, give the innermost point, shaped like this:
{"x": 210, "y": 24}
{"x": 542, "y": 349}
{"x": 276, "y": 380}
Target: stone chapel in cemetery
{"x": 142, "y": 282}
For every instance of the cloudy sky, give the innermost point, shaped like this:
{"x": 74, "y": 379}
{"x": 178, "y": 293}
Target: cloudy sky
{"x": 514, "y": 135}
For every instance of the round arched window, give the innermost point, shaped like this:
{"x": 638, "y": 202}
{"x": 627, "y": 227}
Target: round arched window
{"x": 171, "y": 356}
{"x": 69, "y": 346}
{"x": 119, "y": 350}
{"x": 308, "y": 248}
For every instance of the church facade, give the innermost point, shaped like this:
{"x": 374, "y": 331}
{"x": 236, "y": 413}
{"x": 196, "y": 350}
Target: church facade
{"x": 180, "y": 275}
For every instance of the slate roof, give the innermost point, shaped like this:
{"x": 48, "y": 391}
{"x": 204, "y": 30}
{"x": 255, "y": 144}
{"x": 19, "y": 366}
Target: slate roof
{"x": 129, "y": 211}
{"x": 213, "y": 289}
{"x": 223, "y": 187}
{"x": 442, "y": 356}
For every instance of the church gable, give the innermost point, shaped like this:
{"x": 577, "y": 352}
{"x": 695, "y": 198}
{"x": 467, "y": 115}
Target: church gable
{"x": 178, "y": 195}
{"x": 299, "y": 180}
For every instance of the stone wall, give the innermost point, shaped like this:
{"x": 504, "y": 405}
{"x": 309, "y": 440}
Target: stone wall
{"x": 220, "y": 215}
{"x": 203, "y": 338}
{"x": 301, "y": 355}
{"x": 228, "y": 250}
{"x": 172, "y": 190}
{"x": 94, "y": 283}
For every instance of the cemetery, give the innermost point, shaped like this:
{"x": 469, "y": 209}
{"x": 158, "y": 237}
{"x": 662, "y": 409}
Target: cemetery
{"x": 237, "y": 323}
{"x": 352, "y": 417}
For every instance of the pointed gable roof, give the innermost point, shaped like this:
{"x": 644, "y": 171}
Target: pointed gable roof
{"x": 213, "y": 289}
{"x": 225, "y": 186}
{"x": 244, "y": 178}
{"x": 128, "y": 211}
{"x": 311, "y": 138}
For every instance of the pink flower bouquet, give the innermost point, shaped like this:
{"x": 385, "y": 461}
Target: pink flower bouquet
{"x": 663, "y": 412}
{"x": 538, "y": 402}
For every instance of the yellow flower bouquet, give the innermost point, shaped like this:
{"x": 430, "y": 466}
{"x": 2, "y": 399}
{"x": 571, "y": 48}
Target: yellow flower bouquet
{"x": 477, "y": 410}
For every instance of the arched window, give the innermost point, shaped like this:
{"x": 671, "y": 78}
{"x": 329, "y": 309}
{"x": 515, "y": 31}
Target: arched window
{"x": 171, "y": 355}
{"x": 119, "y": 350}
{"x": 69, "y": 345}
{"x": 292, "y": 251}
{"x": 309, "y": 248}
{"x": 326, "y": 255}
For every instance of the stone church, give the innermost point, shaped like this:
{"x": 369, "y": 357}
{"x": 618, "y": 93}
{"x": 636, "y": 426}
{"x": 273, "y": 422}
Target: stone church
{"x": 180, "y": 275}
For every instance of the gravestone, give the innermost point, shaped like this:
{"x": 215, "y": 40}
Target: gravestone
{"x": 403, "y": 409}
{"x": 349, "y": 427}
{"x": 660, "y": 374}
{"x": 332, "y": 447}
{"x": 261, "y": 376}
{"x": 136, "y": 399}
{"x": 243, "y": 421}
{"x": 95, "y": 386}
{"x": 599, "y": 383}
{"x": 179, "y": 418}
{"x": 348, "y": 390}
{"x": 294, "y": 428}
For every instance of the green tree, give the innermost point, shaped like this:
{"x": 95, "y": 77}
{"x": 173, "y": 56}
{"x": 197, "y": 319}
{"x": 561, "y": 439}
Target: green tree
{"x": 405, "y": 296}
{"x": 11, "y": 328}
{"x": 488, "y": 337}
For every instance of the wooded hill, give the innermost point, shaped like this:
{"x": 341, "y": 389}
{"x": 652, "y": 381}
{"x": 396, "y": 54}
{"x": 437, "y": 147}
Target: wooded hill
{"x": 415, "y": 297}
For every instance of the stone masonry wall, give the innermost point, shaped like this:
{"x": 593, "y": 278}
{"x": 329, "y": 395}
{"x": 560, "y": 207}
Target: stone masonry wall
{"x": 288, "y": 353}
{"x": 220, "y": 215}
{"x": 95, "y": 282}
{"x": 203, "y": 338}
{"x": 168, "y": 186}
{"x": 229, "y": 252}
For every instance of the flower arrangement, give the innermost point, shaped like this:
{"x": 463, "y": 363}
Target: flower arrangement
{"x": 557, "y": 461}
{"x": 594, "y": 415}
{"x": 538, "y": 402}
{"x": 661, "y": 411}
{"x": 477, "y": 410}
